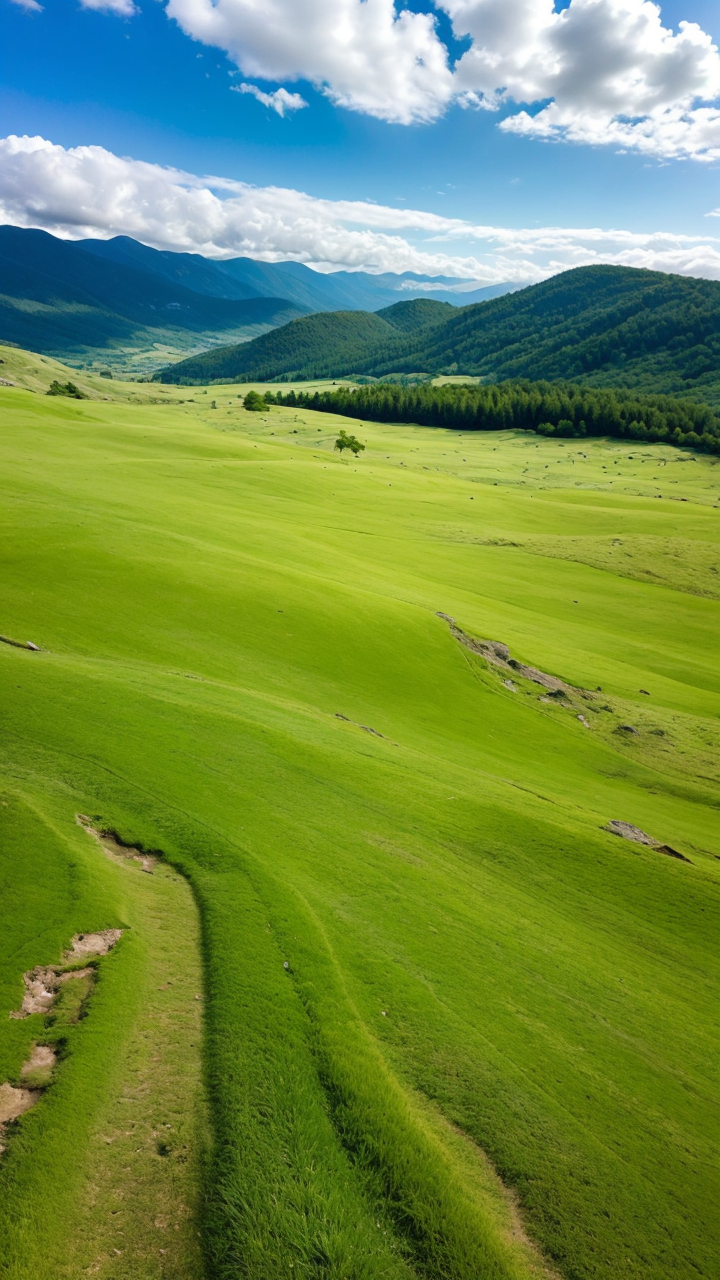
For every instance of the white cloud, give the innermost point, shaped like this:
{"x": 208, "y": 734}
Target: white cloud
{"x": 361, "y": 53}
{"x": 280, "y": 101}
{"x": 88, "y": 191}
{"x": 603, "y": 72}
{"x": 31, "y": 6}
{"x": 615, "y": 75}
{"x": 124, "y": 8}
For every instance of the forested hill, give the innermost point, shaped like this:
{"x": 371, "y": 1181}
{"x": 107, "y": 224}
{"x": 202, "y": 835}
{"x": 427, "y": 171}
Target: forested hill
{"x": 602, "y": 325}
{"x": 413, "y": 315}
{"x": 599, "y": 324}
{"x": 314, "y": 342}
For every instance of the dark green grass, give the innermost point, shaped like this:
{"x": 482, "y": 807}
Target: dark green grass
{"x": 208, "y": 602}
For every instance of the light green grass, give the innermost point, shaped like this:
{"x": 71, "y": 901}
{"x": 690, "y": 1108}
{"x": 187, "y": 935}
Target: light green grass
{"x": 210, "y": 589}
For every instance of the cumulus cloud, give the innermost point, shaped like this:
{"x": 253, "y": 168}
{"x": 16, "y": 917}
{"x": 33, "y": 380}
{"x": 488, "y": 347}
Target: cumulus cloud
{"x": 280, "y": 101}
{"x": 31, "y": 6}
{"x": 88, "y": 191}
{"x": 361, "y": 53}
{"x": 613, "y": 74}
{"x": 603, "y": 72}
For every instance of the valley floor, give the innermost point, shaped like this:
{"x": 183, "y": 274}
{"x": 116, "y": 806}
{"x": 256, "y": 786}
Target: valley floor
{"x": 449, "y": 1025}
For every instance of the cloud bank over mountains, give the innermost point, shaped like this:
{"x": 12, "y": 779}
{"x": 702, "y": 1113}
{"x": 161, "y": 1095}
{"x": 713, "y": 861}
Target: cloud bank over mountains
{"x": 599, "y": 72}
{"x": 87, "y": 191}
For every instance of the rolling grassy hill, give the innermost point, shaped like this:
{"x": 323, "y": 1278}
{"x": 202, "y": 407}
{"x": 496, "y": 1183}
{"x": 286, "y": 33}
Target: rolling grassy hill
{"x": 607, "y": 326}
{"x": 61, "y": 300}
{"x": 452, "y": 1026}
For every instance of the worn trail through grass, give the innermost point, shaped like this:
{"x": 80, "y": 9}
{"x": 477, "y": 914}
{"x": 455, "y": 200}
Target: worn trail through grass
{"x": 129, "y": 1205}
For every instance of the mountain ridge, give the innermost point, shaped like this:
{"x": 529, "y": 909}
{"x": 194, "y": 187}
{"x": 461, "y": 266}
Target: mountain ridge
{"x": 61, "y": 300}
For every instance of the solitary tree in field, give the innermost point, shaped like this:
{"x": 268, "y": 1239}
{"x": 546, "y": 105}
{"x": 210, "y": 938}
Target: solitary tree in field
{"x": 345, "y": 441}
{"x": 254, "y": 402}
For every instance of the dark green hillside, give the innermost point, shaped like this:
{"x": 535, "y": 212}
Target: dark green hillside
{"x": 302, "y": 348}
{"x": 416, "y": 314}
{"x": 58, "y": 299}
{"x": 605, "y": 326}
{"x": 314, "y": 346}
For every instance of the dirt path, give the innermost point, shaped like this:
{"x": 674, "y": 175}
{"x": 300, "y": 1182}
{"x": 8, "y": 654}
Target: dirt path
{"x": 136, "y": 1217}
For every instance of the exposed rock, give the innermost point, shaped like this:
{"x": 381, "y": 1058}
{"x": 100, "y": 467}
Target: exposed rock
{"x": 552, "y": 683}
{"x": 628, "y": 832}
{"x": 498, "y": 653}
{"x": 20, "y": 644}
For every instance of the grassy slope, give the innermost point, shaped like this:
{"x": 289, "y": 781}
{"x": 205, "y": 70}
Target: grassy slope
{"x": 211, "y": 589}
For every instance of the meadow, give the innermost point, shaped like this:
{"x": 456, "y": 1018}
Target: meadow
{"x": 394, "y": 1004}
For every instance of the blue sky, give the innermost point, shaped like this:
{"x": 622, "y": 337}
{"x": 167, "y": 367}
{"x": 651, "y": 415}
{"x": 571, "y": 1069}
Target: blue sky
{"x": 139, "y": 86}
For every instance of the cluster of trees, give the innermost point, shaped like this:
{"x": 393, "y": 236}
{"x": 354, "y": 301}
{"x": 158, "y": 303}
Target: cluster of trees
{"x": 254, "y": 402}
{"x": 65, "y": 389}
{"x": 550, "y": 408}
{"x": 346, "y": 441}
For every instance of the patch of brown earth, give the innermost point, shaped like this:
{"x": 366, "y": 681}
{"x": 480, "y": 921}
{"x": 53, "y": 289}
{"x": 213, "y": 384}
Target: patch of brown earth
{"x": 92, "y": 944}
{"x": 37, "y": 1071}
{"x": 42, "y": 985}
{"x": 114, "y": 847}
{"x": 40, "y": 989}
{"x": 43, "y": 982}
{"x": 14, "y": 1103}
{"x": 41, "y": 1057}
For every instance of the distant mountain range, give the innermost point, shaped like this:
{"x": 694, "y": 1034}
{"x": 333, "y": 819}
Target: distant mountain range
{"x": 307, "y": 289}
{"x": 104, "y": 299}
{"x": 601, "y": 325}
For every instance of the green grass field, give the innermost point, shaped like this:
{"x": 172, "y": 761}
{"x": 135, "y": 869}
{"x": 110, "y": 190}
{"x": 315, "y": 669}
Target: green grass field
{"x": 451, "y": 1028}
